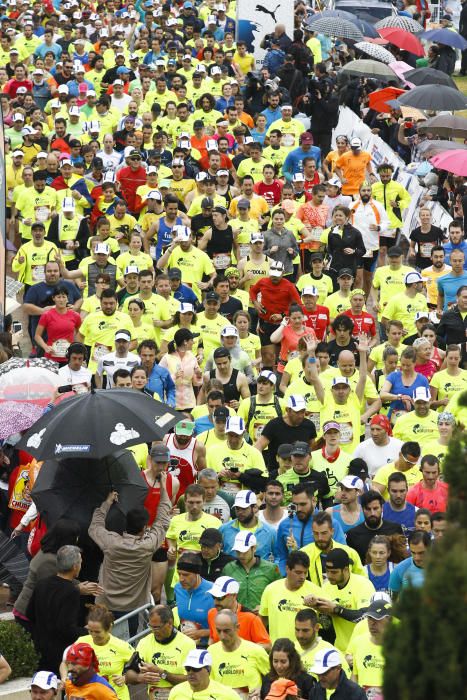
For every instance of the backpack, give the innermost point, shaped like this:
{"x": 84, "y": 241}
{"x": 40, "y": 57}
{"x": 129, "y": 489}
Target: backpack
{"x": 252, "y": 409}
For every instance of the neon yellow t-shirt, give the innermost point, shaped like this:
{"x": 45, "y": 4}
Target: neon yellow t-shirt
{"x": 142, "y": 261}
{"x": 337, "y": 304}
{"x": 169, "y": 657}
{"x": 219, "y": 691}
{"x": 223, "y": 457}
{"x": 209, "y": 330}
{"x": 376, "y": 353}
{"x": 280, "y": 606}
{"x": 193, "y": 264}
{"x": 187, "y": 532}
{"x": 390, "y": 283}
{"x": 368, "y": 662}
{"x": 449, "y": 385}
{"x": 413, "y": 476}
{"x": 157, "y": 309}
{"x": 348, "y": 417}
{"x": 323, "y": 285}
{"x": 409, "y": 427}
{"x": 99, "y": 331}
{"x": 242, "y": 668}
{"x": 354, "y": 595}
{"x": 262, "y": 414}
{"x": 403, "y": 308}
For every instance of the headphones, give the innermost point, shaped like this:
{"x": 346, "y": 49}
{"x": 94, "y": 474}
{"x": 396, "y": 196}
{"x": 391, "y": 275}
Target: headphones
{"x": 77, "y": 348}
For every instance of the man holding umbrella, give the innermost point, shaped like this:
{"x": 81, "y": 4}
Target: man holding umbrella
{"x": 126, "y": 569}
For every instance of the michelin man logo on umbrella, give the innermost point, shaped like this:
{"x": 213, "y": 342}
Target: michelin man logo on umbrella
{"x": 121, "y": 434}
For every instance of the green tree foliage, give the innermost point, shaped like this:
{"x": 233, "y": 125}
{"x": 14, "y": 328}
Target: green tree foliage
{"x": 17, "y": 648}
{"x": 425, "y": 650}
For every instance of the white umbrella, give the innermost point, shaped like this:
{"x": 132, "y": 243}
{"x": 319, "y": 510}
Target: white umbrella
{"x": 406, "y": 23}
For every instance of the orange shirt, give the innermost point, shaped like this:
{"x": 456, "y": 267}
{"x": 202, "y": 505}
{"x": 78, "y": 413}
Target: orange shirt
{"x": 97, "y": 688}
{"x": 250, "y": 626}
{"x": 200, "y": 144}
{"x": 353, "y": 170}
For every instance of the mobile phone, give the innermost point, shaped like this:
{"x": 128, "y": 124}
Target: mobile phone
{"x": 64, "y": 389}
{"x": 234, "y": 470}
{"x": 17, "y": 326}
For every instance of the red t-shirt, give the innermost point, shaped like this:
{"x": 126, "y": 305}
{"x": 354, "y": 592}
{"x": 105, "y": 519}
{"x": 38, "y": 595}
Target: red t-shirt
{"x": 129, "y": 181}
{"x": 226, "y": 163}
{"x": 275, "y": 298}
{"x": 60, "y": 329}
{"x": 362, "y": 323}
{"x": 318, "y": 320}
{"x": 151, "y": 502}
{"x": 435, "y": 500}
{"x": 271, "y": 193}
{"x": 309, "y": 184}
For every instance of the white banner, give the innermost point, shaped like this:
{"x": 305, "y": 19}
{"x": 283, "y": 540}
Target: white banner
{"x": 351, "y": 125}
{"x": 255, "y": 20}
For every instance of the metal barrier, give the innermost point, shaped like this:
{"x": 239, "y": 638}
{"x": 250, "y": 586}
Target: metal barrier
{"x": 121, "y": 629}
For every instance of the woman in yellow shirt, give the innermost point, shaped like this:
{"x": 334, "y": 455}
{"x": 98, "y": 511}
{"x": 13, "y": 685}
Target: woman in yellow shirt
{"x": 140, "y": 331}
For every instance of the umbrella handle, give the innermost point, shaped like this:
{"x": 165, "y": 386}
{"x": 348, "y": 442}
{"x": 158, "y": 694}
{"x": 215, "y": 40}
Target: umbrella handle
{"x": 109, "y": 477}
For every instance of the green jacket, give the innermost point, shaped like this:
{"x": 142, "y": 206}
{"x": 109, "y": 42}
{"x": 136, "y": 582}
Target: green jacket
{"x": 393, "y": 191}
{"x": 253, "y": 582}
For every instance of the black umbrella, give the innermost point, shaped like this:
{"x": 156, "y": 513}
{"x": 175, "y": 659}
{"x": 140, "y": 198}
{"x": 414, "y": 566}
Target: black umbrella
{"x": 14, "y": 565}
{"x": 93, "y": 425}
{"x": 447, "y": 125}
{"x": 73, "y": 488}
{"x": 429, "y": 76}
{"x": 435, "y": 99}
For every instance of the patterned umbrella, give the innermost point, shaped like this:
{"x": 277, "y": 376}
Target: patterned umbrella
{"x": 407, "y": 23}
{"x": 16, "y": 417}
{"x": 335, "y": 26}
{"x": 375, "y": 51}
{"x": 29, "y": 384}
{"x": 17, "y": 362}
{"x": 343, "y": 14}
{"x": 370, "y": 69}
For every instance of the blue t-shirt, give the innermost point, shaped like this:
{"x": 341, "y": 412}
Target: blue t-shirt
{"x": 450, "y": 247}
{"x": 194, "y": 605}
{"x": 381, "y": 583}
{"x": 397, "y": 387}
{"x": 448, "y": 286}
{"x": 336, "y": 514}
{"x": 406, "y": 574}
{"x": 405, "y": 518}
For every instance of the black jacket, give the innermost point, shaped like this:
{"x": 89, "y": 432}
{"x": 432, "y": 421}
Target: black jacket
{"x": 211, "y": 570}
{"x": 463, "y": 21}
{"x": 346, "y": 690}
{"x": 351, "y": 238}
{"x": 453, "y": 329}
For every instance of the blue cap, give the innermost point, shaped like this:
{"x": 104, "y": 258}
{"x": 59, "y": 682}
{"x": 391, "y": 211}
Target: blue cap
{"x": 122, "y": 69}
{"x": 187, "y": 5}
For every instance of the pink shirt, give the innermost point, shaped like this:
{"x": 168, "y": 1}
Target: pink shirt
{"x": 435, "y": 500}
{"x": 60, "y": 329}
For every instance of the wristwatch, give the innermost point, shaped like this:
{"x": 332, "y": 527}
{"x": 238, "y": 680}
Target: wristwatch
{"x": 163, "y": 675}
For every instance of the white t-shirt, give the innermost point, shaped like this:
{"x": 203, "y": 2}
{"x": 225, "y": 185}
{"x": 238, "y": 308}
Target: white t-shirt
{"x": 275, "y": 526}
{"x": 376, "y": 457}
{"x": 120, "y": 103}
{"x": 71, "y": 376}
{"x": 109, "y": 364}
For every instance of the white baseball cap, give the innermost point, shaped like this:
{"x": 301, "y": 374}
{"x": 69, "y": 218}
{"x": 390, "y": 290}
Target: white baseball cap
{"x": 244, "y": 499}
{"x": 276, "y": 269}
{"x": 421, "y": 314}
{"x": 215, "y": 70}
{"x": 183, "y": 233}
{"x": 199, "y": 177}
{"x": 74, "y": 111}
{"x": 334, "y": 181}
{"x": 68, "y": 204}
{"x": 296, "y": 403}
{"x": 154, "y": 194}
{"x": 224, "y": 585}
{"x": 45, "y": 680}
{"x": 198, "y": 658}
{"x": 235, "y": 424}
{"x": 356, "y": 142}
{"x": 413, "y": 277}
{"x": 340, "y": 380}
{"x": 298, "y": 177}
{"x": 17, "y": 154}
{"x": 152, "y": 170}
{"x": 270, "y": 376}
{"x": 186, "y": 308}
{"x": 102, "y": 248}
{"x": 18, "y": 117}
{"x": 212, "y": 145}
{"x": 325, "y": 660}
{"x": 229, "y": 331}
{"x": 244, "y": 540}
{"x": 131, "y": 270}
{"x": 311, "y": 291}
{"x": 256, "y": 237}
{"x": 421, "y": 393}
{"x": 351, "y": 482}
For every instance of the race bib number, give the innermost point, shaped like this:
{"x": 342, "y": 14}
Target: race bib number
{"x": 10, "y": 194}
{"x": 245, "y": 249}
{"x": 42, "y": 214}
{"x": 99, "y": 351}
{"x": 425, "y": 249}
{"x": 258, "y": 429}
{"x": 288, "y": 140}
{"x": 152, "y": 251}
{"x": 38, "y": 273}
{"x": 221, "y": 260}
{"x": 188, "y": 625}
{"x": 231, "y": 488}
{"x": 346, "y": 433}
{"x": 124, "y": 247}
{"x": 315, "y": 419}
{"x": 59, "y": 347}
{"x": 316, "y": 232}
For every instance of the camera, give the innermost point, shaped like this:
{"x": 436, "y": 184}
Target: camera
{"x": 291, "y": 510}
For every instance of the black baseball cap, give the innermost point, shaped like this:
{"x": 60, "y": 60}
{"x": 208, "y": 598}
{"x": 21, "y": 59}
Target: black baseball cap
{"x": 210, "y": 537}
{"x": 207, "y": 203}
{"x": 300, "y": 449}
{"x": 221, "y": 413}
{"x": 174, "y": 274}
{"x": 394, "y": 251}
{"x": 338, "y": 559}
{"x": 198, "y": 124}
{"x": 316, "y": 256}
{"x": 346, "y": 271}
{"x": 212, "y": 296}
{"x": 284, "y": 450}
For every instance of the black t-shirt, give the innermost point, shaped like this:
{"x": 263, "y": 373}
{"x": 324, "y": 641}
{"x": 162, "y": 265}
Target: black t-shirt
{"x": 230, "y": 307}
{"x": 278, "y": 432}
{"x": 359, "y": 537}
{"x": 424, "y": 242}
{"x": 334, "y": 351}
